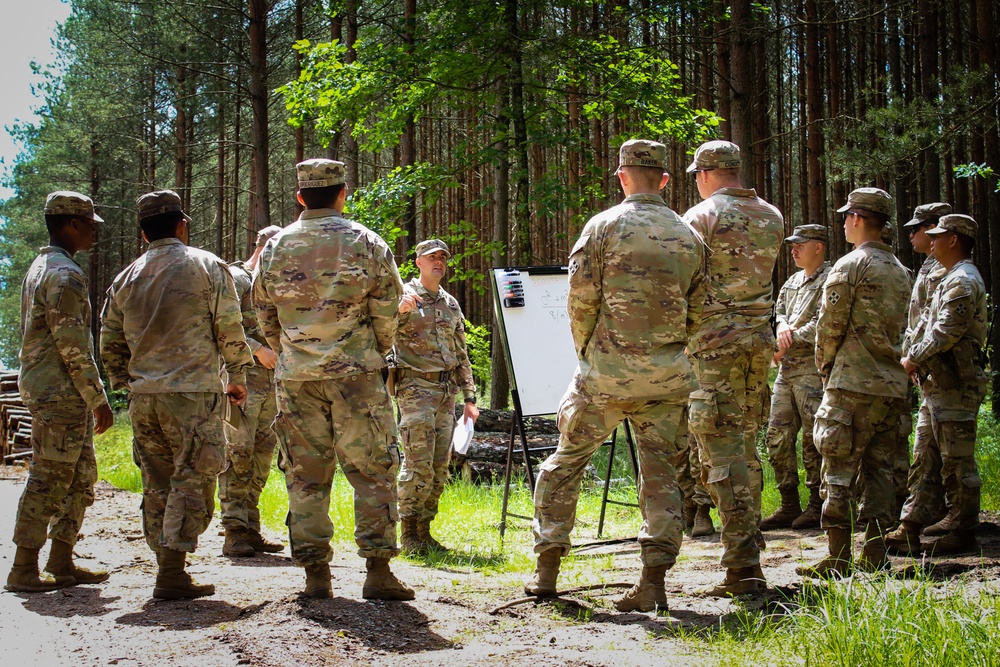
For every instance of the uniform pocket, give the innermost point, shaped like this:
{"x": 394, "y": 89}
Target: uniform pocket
{"x": 832, "y": 432}
{"x": 59, "y": 436}
{"x": 207, "y": 455}
{"x": 703, "y": 412}
{"x": 571, "y": 409}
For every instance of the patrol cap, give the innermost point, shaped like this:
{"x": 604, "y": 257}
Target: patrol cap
{"x": 432, "y": 245}
{"x": 319, "y": 173}
{"x": 67, "y": 202}
{"x": 928, "y": 214}
{"x": 642, "y": 153}
{"x": 159, "y": 202}
{"x": 958, "y": 223}
{"x": 716, "y": 154}
{"x": 265, "y": 235}
{"x": 804, "y": 233}
{"x": 868, "y": 199}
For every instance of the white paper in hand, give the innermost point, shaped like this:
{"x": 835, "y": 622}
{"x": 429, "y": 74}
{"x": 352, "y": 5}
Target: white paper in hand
{"x": 462, "y": 436}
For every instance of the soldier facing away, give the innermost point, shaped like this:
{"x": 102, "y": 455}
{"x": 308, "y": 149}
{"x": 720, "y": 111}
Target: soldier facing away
{"x": 61, "y": 386}
{"x": 432, "y": 364}
{"x": 798, "y": 389}
{"x": 731, "y": 352}
{"x": 168, "y": 319}
{"x": 326, "y": 293}
{"x": 250, "y": 442}
{"x": 635, "y": 296}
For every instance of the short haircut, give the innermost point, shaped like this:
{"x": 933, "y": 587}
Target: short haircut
{"x": 161, "y": 226}
{"x": 874, "y": 221}
{"x": 966, "y": 243}
{"x": 647, "y": 178}
{"x": 728, "y": 172}
{"x": 55, "y": 223}
{"x": 324, "y": 197}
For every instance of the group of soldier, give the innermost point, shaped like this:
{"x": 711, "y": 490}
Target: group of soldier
{"x": 671, "y": 321}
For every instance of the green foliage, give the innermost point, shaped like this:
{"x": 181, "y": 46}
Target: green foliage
{"x": 973, "y": 170}
{"x": 477, "y": 339}
{"x": 114, "y": 456}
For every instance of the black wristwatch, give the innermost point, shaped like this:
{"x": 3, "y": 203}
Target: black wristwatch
{"x": 471, "y": 400}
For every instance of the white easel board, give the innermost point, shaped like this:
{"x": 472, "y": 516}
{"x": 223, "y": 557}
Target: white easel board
{"x": 530, "y": 304}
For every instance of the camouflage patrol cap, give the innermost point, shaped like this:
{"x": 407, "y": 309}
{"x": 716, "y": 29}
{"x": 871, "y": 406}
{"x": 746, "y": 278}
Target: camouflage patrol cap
{"x": 928, "y": 214}
{"x": 804, "y": 233}
{"x": 642, "y": 153}
{"x": 432, "y": 245}
{"x": 159, "y": 202}
{"x": 67, "y": 202}
{"x": 868, "y": 199}
{"x": 958, "y": 223}
{"x": 715, "y": 155}
{"x": 264, "y": 235}
{"x": 319, "y": 173}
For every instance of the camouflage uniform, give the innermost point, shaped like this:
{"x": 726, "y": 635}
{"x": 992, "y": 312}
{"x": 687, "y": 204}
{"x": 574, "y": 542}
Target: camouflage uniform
{"x": 636, "y": 292}
{"x": 731, "y": 353}
{"x": 249, "y": 448}
{"x": 167, "y": 319}
{"x": 326, "y": 292}
{"x": 860, "y": 324}
{"x": 798, "y": 389}
{"x": 433, "y": 364}
{"x": 948, "y": 349}
{"x": 61, "y": 386}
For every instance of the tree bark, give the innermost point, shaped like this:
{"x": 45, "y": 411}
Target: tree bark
{"x": 259, "y": 127}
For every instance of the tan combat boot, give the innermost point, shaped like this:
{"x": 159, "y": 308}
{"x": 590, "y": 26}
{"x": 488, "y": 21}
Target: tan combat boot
{"x": 318, "y": 581}
{"x": 811, "y": 515}
{"x": 648, "y": 594}
{"x": 425, "y": 537}
{"x": 738, "y": 581}
{"x": 543, "y": 584}
{"x": 949, "y": 524}
{"x": 409, "y": 536}
{"x": 690, "y": 509}
{"x": 703, "y": 526}
{"x": 838, "y": 562}
{"x": 787, "y": 512}
{"x": 382, "y": 584}
{"x": 957, "y": 542}
{"x": 66, "y": 572}
{"x": 24, "y": 576}
{"x": 172, "y": 582}
{"x": 905, "y": 539}
{"x": 262, "y": 544}
{"x": 236, "y": 545}
{"x": 873, "y": 555}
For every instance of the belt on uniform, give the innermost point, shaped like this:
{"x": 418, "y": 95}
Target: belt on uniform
{"x": 433, "y": 376}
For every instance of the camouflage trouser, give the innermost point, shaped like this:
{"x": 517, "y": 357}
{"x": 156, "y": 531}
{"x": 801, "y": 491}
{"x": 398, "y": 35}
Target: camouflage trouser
{"x": 427, "y": 419}
{"x": 322, "y": 422}
{"x": 793, "y": 405}
{"x": 725, "y": 415}
{"x": 61, "y": 478}
{"x": 901, "y": 469}
{"x": 947, "y": 478}
{"x": 180, "y": 448}
{"x": 687, "y": 463}
{"x": 249, "y": 452}
{"x": 857, "y": 434}
{"x": 584, "y": 423}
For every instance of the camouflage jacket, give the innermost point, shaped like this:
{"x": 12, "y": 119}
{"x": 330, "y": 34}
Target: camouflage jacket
{"x": 930, "y": 274}
{"x": 435, "y": 341}
{"x": 861, "y": 322}
{"x": 167, "y": 319}
{"x": 798, "y": 307}
{"x": 636, "y": 290}
{"x": 57, "y": 347}
{"x": 743, "y": 233}
{"x": 956, "y": 319}
{"x": 258, "y": 377}
{"x": 326, "y": 292}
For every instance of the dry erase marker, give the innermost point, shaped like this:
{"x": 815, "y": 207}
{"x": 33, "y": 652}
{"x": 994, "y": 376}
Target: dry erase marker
{"x": 420, "y": 307}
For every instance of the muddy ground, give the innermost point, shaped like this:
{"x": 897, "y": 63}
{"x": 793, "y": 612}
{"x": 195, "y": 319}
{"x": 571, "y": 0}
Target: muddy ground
{"x": 257, "y": 617}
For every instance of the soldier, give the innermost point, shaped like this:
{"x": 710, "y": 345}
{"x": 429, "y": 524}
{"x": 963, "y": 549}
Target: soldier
{"x": 61, "y": 387}
{"x": 697, "y": 501}
{"x": 860, "y": 326}
{"x": 797, "y": 389}
{"x": 731, "y": 353}
{"x": 432, "y": 364}
{"x": 250, "y": 445}
{"x": 635, "y": 297}
{"x": 326, "y": 293}
{"x": 167, "y": 319}
{"x": 947, "y": 355}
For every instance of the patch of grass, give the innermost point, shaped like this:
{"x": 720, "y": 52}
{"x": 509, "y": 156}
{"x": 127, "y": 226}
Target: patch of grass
{"x": 114, "y": 456}
{"x": 988, "y": 457}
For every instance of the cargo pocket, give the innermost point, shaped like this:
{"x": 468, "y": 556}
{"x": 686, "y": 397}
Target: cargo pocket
{"x": 384, "y": 458}
{"x": 571, "y": 410}
{"x": 703, "y": 412}
{"x": 280, "y": 429}
{"x": 207, "y": 457}
{"x": 60, "y": 435}
{"x": 718, "y": 477}
{"x": 832, "y": 433}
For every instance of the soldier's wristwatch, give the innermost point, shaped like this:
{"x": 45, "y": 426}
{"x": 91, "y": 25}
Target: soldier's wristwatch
{"x": 471, "y": 399}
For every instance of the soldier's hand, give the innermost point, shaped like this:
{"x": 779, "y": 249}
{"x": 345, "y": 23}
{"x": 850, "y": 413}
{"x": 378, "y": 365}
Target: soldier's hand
{"x": 237, "y": 393}
{"x": 471, "y": 412}
{"x": 266, "y": 356}
{"x": 103, "y": 419}
{"x": 908, "y": 366}
{"x": 785, "y": 337}
{"x": 408, "y": 303}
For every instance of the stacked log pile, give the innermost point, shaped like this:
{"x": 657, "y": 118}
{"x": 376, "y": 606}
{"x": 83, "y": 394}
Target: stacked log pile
{"x": 486, "y": 457}
{"x": 15, "y": 420}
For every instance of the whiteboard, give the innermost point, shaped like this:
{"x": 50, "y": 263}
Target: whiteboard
{"x": 536, "y": 336}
